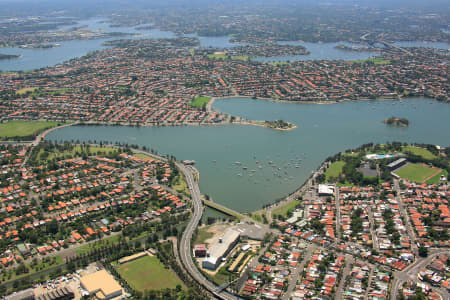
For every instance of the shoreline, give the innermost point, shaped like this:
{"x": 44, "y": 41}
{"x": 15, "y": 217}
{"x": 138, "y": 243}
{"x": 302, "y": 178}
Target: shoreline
{"x": 240, "y": 121}
{"x": 251, "y": 122}
{"x": 399, "y": 98}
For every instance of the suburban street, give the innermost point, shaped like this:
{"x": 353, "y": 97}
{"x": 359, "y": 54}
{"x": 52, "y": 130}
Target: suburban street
{"x": 403, "y": 212}
{"x": 296, "y": 273}
{"x": 410, "y": 273}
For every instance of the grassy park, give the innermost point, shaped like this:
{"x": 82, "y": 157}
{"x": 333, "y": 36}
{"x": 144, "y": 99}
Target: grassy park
{"x": 224, "y": 56}
{"x": 419, "y": 152}
{"x": 23, "y": 91}
{"x": 334, "y": 170}
{"x": 200, "y": 101}
{"x": 375, "y": 61}
{"x": 418, "y": 172}
{"x": 284, "y": 209}
{"x": 148, "y": 273}
{"x": 77, "y": 150}
{"x": 18, "y": 129}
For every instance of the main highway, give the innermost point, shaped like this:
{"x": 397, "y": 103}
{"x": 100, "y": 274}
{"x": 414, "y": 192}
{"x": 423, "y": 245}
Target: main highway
{"x": 185, "y": 243}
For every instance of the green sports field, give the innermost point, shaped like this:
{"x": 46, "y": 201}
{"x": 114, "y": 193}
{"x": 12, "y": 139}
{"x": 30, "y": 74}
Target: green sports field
{"x": 148, "y": 273}
{"x": 200, "y": 101}
{"x": 418, "y": 172}
{"x": 16, "y": 129}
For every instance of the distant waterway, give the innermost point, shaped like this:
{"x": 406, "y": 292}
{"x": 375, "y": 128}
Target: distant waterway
{"x": 40, "y": 58}
{"x": 437, "y": 45}
{"x": 244, "y": 167}
{"x": 320, "y": 51}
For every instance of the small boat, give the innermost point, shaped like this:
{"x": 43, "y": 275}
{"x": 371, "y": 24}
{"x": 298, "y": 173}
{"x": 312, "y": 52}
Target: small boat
{"x": 245, "y": 168}
{"x": 237, "y": 163}
{"x": 239, "y": 174}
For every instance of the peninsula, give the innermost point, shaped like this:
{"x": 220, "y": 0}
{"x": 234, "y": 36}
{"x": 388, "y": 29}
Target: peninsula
{"x": 394, "y": 121}
{"x": 8, "y": 56}
{"x": 279, "y": 125}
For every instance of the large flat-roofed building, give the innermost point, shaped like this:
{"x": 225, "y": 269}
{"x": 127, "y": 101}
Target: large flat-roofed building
{"x": 326, "y": 190}
{"x": 220, "y": 249}
{"x": 397, "y": 164}
{"x": 101, "y": 284}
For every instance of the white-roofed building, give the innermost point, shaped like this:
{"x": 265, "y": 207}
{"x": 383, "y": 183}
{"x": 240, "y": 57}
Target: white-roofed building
{"x": 220, "y": 249}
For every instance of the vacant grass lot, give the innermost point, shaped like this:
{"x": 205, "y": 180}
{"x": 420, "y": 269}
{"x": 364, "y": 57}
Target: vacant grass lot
{"x": 419, "y": 151}
{"x": 418, "y": 172}
{"x": 203, "y": 234}
{"x": 148, "y": 273}
{"x": 17, "y": 129}
{"x": 334, "y": 170}
{"x": 258, "y": 215}
{"x": 200, "y": 101}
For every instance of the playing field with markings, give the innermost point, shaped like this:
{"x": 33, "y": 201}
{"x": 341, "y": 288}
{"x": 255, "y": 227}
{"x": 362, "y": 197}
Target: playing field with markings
{"x": 418, "y": 172}
{"x": 148, "y": 273}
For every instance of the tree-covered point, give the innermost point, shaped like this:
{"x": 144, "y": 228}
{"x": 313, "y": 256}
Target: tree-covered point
{"x": 394, "y": 121}
{"x": 278, "y": 124}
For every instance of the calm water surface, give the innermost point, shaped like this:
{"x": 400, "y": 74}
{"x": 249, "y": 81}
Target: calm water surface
{"x": 276, "y": 162}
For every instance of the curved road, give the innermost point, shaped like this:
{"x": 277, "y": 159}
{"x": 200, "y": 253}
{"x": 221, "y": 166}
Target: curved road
{"x": 185, "y": 243}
